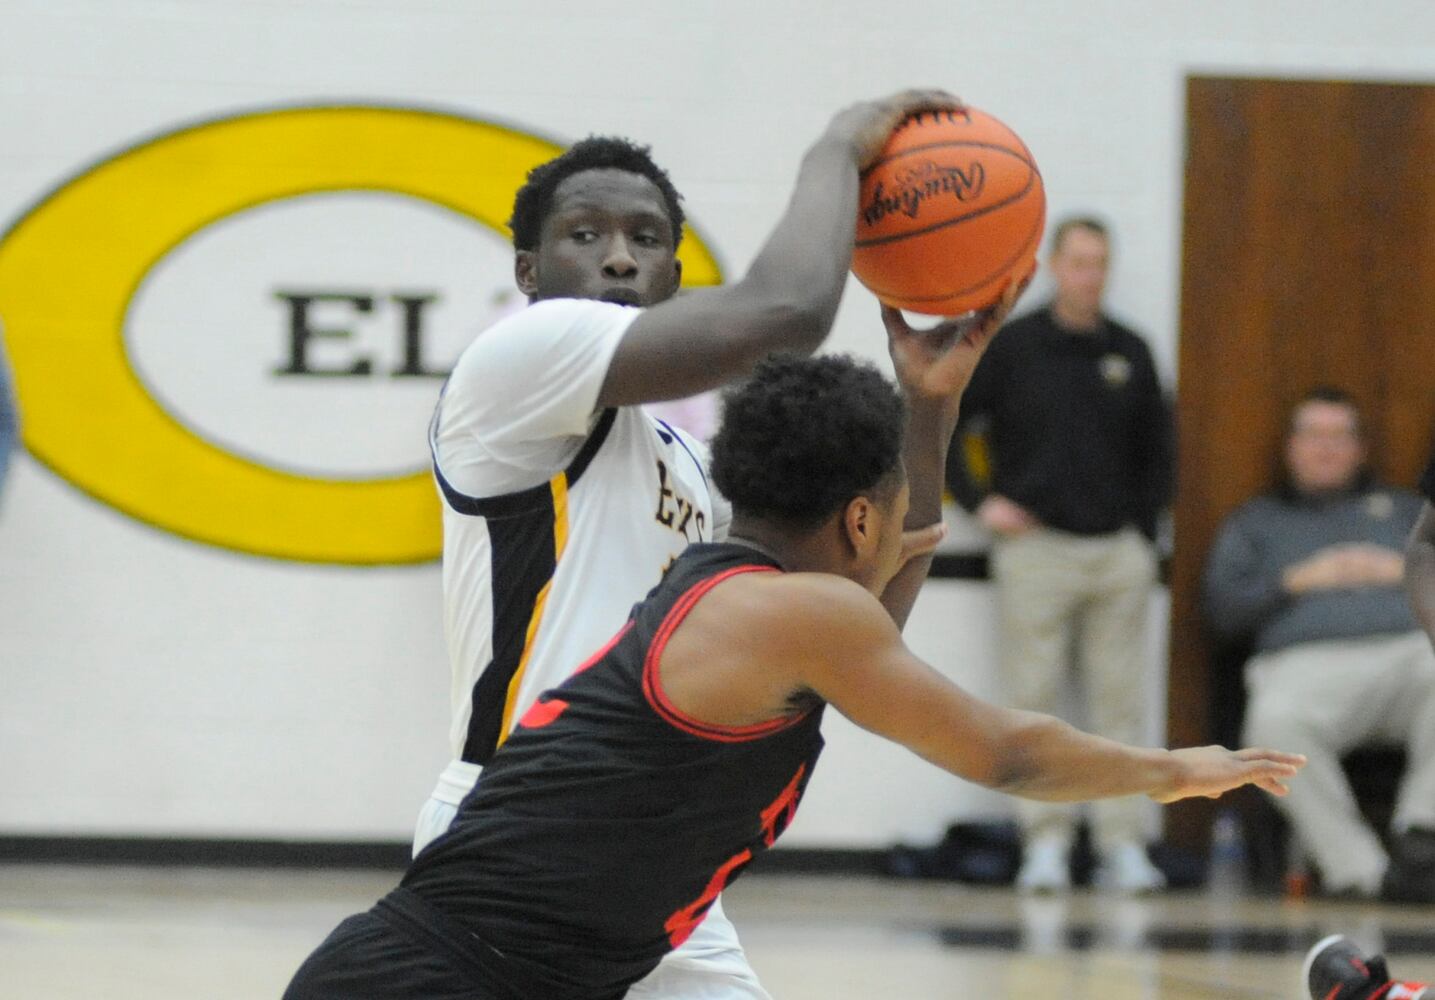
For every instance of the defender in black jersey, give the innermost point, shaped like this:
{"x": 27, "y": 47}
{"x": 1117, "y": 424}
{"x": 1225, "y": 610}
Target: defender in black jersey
{"x": 633, "y": 793}
{"x": 598, "y": 837}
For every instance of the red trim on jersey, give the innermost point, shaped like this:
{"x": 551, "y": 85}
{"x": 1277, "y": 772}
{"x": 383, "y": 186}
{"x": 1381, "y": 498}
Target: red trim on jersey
{"x": 681, "y": 925}
{"x": 652, "y": 681}
{"x": 541, "y": 713}
{"x": 607, "y": 648}
{"x": 777, "y": 816}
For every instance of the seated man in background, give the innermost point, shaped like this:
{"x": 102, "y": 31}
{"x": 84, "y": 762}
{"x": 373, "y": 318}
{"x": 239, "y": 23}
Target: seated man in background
{"x": 1311, "y": 576}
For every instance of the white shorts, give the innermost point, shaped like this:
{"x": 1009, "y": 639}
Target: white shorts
{"x": 709, "y": 965}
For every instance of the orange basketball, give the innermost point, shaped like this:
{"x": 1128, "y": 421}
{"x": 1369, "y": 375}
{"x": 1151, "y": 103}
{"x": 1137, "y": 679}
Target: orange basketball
{"x": 951, "y": 209}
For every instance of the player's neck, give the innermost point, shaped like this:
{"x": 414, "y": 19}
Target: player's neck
{"x": 795, "y": 552}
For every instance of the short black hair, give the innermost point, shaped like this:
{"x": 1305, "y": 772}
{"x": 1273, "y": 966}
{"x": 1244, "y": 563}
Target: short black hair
{"x": 1088, "y": 222}
{"x": 597, "y": 152}
{"x": 804, "y": 436}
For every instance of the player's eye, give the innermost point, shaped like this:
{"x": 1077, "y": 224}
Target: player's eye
{"x": 584, "y": 235}
{"x": 646, "y": 239}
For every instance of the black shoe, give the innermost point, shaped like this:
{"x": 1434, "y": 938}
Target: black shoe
{"x": 1335, "y": 969}
{"x": 1411, "y": 875}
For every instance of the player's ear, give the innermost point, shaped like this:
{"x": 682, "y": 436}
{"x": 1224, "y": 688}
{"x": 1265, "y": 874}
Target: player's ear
{"x": 677, "y": 276}
{"x": 859, "y": 524}
{"x": 525, "y": 272}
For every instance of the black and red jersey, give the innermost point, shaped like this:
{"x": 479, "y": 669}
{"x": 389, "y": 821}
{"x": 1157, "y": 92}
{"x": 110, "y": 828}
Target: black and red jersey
{"x": 601, "y": 832}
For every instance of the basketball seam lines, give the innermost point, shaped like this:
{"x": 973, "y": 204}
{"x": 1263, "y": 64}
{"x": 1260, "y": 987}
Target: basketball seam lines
{"x": 974, "y": 214}
{"x": 1005, "y": 265}
{"x": 948, "y": 145}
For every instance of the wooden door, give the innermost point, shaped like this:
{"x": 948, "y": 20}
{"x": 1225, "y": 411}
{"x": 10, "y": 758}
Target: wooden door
{"x": 1308, "y": 258}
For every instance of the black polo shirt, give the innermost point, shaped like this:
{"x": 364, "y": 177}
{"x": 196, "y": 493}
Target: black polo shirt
{"x": 1077, "y": 428}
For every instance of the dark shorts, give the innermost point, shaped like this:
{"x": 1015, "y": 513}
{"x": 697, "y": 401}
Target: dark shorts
{"x": 396, "y": 951}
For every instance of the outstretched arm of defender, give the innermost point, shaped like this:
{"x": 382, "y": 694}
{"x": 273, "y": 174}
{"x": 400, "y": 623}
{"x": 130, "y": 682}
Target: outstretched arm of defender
{"x": 852, "y": 655}
{"x": 789, "y": 296}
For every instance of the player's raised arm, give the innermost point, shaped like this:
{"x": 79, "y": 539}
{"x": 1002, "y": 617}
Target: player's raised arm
{"x": 933, "y": 368}
{"x": 854, "y": 658}
{"x": 789, "y": 296}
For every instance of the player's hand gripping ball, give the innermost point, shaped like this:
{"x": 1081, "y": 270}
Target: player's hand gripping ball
{"x": 950, "y": 211}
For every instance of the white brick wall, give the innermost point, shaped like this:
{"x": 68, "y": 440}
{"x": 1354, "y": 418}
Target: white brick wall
{"x": 153, "y": 686}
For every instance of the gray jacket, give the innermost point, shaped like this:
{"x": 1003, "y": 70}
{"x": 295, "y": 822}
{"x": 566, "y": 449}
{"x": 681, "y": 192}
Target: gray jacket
{"x": 1243, "y": 594}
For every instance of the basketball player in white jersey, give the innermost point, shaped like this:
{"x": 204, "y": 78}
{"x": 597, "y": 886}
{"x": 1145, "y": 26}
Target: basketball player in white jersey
{"x": 564, "y": 501}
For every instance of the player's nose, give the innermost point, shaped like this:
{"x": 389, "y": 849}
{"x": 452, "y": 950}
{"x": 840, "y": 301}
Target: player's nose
{"x": 618, "y": 261}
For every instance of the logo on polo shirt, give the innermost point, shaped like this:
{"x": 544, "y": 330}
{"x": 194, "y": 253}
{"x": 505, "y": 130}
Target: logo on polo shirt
{"x": 1116, "y": 370}
{"x": 235, "y": 331}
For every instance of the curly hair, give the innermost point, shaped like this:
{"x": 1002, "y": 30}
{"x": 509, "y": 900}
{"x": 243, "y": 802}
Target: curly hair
{"x": 804, "y": 436}
{"x": 597, "y": 152}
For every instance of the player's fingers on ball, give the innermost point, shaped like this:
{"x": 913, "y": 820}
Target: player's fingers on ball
{"x": 926, "y": 99}
{"x": 985, "y": 330}
{"x": 1010, "y": 290}
{"x": 893, "y": 320}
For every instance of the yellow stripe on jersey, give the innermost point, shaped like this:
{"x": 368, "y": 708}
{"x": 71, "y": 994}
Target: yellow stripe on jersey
{"x": 559, "y": 485}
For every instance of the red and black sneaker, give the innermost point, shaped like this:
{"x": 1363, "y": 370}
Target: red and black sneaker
{"x": 1335, "y": 969}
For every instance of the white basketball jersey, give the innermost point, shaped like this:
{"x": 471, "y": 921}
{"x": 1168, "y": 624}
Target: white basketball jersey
{"x": 557, "y": 519}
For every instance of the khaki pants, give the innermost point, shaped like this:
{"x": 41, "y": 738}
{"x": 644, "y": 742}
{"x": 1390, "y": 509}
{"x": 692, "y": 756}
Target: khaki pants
{"x": 1323, "y": 699}
{"x": 1057, "y": 592}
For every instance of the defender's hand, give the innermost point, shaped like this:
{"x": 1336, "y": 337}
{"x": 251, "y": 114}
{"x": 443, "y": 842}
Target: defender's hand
{"x": 938, "y": 363}
{"x": 1213, "y": 771}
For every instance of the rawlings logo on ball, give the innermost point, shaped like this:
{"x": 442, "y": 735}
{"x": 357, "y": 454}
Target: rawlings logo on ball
{"x": 950, "y": 213}
{"x": 921, "y": 182}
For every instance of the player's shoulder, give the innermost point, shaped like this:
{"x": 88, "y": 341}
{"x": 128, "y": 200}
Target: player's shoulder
{"x": 803, "y": 601}
{"x": 686, "y": 440}
{"x": 534, "y": 324}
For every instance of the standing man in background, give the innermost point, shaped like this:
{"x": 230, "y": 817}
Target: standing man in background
{"x": 1079, "y": 455}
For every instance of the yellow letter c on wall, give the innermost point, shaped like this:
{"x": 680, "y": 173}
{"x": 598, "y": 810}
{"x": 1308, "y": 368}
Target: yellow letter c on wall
{"x": 70, "y": 266}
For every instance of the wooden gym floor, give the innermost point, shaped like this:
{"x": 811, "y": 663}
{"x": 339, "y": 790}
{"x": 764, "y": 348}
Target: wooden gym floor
{"x": 122, "y": 933}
